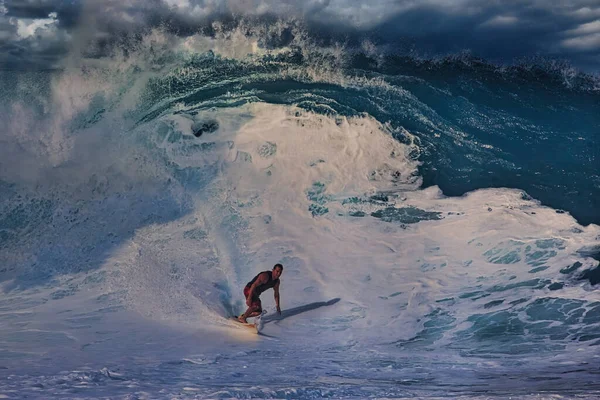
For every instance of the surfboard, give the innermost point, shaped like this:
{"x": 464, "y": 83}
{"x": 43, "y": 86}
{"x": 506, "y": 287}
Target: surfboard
{"x": 247, "y": 325}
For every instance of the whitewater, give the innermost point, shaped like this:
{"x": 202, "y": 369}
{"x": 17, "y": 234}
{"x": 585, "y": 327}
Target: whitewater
{"x": 437, "y": 221}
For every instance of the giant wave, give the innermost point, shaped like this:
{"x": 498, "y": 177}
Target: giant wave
{"x": 437, "y": 220}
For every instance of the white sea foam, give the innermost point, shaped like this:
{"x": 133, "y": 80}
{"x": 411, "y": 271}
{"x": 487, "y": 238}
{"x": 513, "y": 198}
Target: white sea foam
{"x": 287, "y": 185}
{"x": 376, "y": 269}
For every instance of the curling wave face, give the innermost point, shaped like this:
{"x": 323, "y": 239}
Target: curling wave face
{"x": 140, "y": 193}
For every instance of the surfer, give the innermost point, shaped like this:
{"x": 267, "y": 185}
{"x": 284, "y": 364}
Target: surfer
{"x": 261, "y": 282}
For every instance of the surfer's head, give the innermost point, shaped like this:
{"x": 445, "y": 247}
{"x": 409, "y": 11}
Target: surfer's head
{"x": 277, "y": 270}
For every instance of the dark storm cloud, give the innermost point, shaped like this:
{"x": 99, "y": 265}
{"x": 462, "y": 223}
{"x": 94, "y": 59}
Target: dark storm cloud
{"x": 502, "y": 31}
{"x": 498, "y": 30}
{"x": 32, "y": 8}
{"x": 8, "y": 31}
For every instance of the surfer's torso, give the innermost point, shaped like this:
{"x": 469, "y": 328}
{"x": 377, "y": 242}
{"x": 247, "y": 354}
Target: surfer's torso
{"x": 267, "y": 285}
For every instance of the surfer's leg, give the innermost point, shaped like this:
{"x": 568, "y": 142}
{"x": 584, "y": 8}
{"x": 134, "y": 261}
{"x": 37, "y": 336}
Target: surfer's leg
{"x": 250, "y": 312}
{"x": 254, "y": 310}
{"x": 242, "y": 318}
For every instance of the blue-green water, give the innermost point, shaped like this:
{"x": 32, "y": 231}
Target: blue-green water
{"x": 138, "y": 194}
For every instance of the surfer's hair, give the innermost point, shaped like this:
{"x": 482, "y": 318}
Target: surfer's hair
{"x": 278, "y": 266}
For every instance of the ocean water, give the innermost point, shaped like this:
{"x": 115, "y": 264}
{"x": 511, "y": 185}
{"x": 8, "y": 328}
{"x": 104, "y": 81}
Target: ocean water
{"x": 438, "y": 223}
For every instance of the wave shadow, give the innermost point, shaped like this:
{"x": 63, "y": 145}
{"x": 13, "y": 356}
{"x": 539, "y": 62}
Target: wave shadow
{"x": 298, "y": 310}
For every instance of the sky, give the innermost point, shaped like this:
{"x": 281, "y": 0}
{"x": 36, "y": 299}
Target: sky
{"x": 41, "y": 32}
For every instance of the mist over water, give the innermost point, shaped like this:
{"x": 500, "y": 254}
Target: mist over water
{"x": 437, "y": 221}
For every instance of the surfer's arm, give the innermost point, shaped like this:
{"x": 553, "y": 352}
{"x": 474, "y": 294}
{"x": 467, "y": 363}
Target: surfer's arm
{"x": 276, "y": 290}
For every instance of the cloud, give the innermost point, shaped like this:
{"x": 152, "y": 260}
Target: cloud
{"x": 586, "y": 12}
{"x": 28, "y": 27}
{"x": 31, "y": 9}
{"x": 8, "y": 31}
{"x": 583, "y": 43}
{"x": 500, "y": 21}
{"x": 494, "y": 29}
{"x": 585, "y": 29}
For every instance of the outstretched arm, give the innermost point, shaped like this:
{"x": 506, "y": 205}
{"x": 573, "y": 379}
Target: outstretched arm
{"x": 276, "y": 290}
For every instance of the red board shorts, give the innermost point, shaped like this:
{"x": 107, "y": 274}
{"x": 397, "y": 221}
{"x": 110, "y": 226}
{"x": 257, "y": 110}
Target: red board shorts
{"x": 255, "y": 303}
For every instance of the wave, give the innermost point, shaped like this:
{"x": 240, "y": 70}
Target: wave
{"x": 423, "y": 194}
